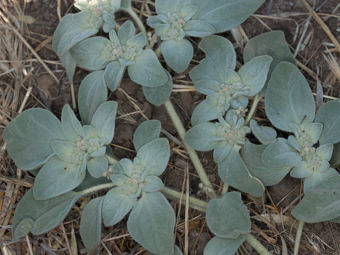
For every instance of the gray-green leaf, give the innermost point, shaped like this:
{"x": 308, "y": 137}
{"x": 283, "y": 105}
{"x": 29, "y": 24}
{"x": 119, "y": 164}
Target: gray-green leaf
{"x": 159, "y": 95}
{"x": 97, "y": 166}
{"x": 269, "y": 175}
{"x": 40, "y": 216}
{"x": 151, "y": 223}
{"x": 146, "y": 132}
{"x": 91, "y": 54}
{"x": 29, "y": 136}
{"x": 328, "y": 115}
{"x": 155, "y": 155}
{"x": 227, "y": 216}
{"x": 265, "y": 135}
{"x": 234, "y": 171}
{"x": 92, "y": 93}
{"x": 147, "y": 71}
{"x": 104, "y": 120}
{"x": 116, "y": 205}
{"x": 289, "y": 98}
{"x": 91, "y": 224}
{"x": 57, "y": 177}
{"x": 223, "y": 246}
{"x": 113, "y": 75}
{"x": 201, "y": 136}
{"x": 70, "y": 124}
{"x": 177, "y": 54}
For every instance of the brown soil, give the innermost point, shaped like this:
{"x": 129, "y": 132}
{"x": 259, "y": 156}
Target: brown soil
{"x": 278, "y": 235}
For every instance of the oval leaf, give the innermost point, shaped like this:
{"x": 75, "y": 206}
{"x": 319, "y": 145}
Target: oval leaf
{"x": 40, "y": 216}
{"x": 151, "y": 223}
{"x": 91, "y": 224}
{"x": 265, "y": 135}
{"x": 29, "y": 136}
{"x": 289, "y": 98}
{"x": 92, "y": 93}
{"x": 177, "y": 54}
{"x": 201, "y": 137}
{"x": 146, "y": 132}
{"x": 147, "y": 71}
{"x": 223, "y": 246}
{"x": 113, "y": 75}
{"x": 227, "y": 216}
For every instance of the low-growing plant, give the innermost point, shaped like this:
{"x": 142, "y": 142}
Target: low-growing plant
{"x": 73, "y": 158}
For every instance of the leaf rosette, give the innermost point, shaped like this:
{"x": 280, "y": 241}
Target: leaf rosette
{"x": 225, "y": 88}
{"x": 65, "y": 154}
{"x": 123, "y": 50}
{"x": 178, "y": 19}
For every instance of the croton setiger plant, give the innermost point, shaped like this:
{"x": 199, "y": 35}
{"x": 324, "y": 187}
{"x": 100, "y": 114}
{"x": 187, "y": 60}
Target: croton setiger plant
{"x": 72, "y": 158}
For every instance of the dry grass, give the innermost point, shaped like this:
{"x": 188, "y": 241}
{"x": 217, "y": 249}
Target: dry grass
{"x": 20, "y": 63}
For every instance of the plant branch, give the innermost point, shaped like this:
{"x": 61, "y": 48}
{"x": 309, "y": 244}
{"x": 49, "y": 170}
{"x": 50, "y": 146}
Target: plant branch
{"x": 194, "y": 203}
{"x": 96, "y": 188}
{"x": 257, "y": 245}
{"x": 298, "y": 237}
{"x": 136, "y": 18}
{"x": 192, "y": 153}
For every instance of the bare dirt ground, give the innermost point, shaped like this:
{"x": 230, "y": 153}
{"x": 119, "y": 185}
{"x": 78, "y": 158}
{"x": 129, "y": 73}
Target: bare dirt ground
{"x": 32, "y": 76}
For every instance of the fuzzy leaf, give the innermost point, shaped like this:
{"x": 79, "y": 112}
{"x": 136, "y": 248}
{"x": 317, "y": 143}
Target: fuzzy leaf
{"x": 69, "y": 64}
{"x": 72, "y": 29}
{"x": 151, "y": 223}
{"x": 317, "y": 177}
{"x": 57, "y": 177}
{"x": 198, "y": 28}
{"x": 104, "y": 120}
{"x": 92, "y": 93}
{"x": 91, "y": 224}
{"x": 223, "y": 246}
{"x": 201, "y": 137}
{"x": 205, "y": 111}
{"x": 91, "y": 54}
{"x": 265, "y": 135}
{"x": 220, "y": 55}
{"x": 40, "y": 216}
{"x": 335, "y": 160}
{"x": 113, "y": 75}
{"x": 159, "y": 95}
{"x": 227, "y": 216}
{"x": 70, "y": 124}
{"x": 280, "y": 154}
{"x": 289, "y": 98}
{"x": 97, "y": 166}
{"x": 146, "y": 132}
{"x": 153, "y": 184}
{"x": 268, "y": 175}
{"x": 234, "y": 171}
{"x": 126, "y": 31}
{"x": 272, "y": 44}
{"x": 116, "y": 205}
{"x": 254, "y": 73}
{"x": 155, "y": 155}
{"x": 147, "y": 71}
{"x": 63, "y": 150}
{"x": 29, "y": 136}
{"x": 224, "y": 15}
{"x": 322, "y": 203}
{"x": 177, "y": 54}
{"x": 328, "y": 115}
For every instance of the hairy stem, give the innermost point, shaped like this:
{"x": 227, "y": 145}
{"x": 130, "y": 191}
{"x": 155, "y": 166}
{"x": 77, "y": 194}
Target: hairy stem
{"x": 298, "y": 237}
{"x": 201, "y": 206}
{"x": 194, "y": 203}
{"x": 257, "y": 245}
{"x": 192, "y": 153}
{"x": 136, "y": 18}
{"x": 96, "y": 188}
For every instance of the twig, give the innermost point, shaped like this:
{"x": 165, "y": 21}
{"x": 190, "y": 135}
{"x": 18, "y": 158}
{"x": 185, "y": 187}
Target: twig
{"x": 298, "y": 237}
{"x": 322, "y": 24}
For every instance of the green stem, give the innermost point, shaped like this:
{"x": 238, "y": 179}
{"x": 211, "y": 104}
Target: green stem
{"x": 192, "y": 153}
{"x": 194, "y": 203}
{"x": 96, "y": 188}
{"x": 136, "y": 18}
{"x": 253, "y": 108}
{"x": 257, "y": 245}
{"x": 201, "y": 206}
{"x": 298, "y": 237}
